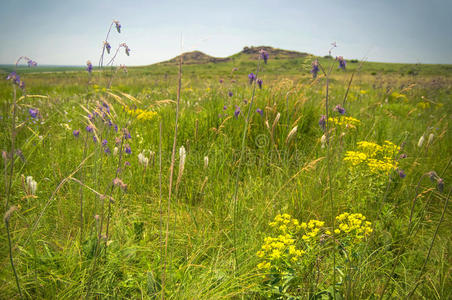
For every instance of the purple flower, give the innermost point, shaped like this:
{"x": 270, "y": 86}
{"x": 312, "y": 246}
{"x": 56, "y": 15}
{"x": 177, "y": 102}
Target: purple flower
{"x": 259, "y": 111}
{"x": 118, "y": 25}
{"x": 116, "y": 127}
{"x": 107, "y": 46}
{"x": 128, "y": 149}
{"x": 76, "y": 133}
{"x": 221, "y": 80}
{"x": 237, "y": 112}
{"x": 126, "y": 163}
{"x": 230, "y": 94}
{"x": 127, "y": 50}
{"x": 322, "y": 122}
{"x": 339, "y": 109}
{"x": 31, "y": 63}
{"x": 259, "y": 83}
{"x": 33, "y": 112}
{"x": 22, "y": 85}
{"x": 126, "y": 133}
{"x": 264, "y": 55}
{"x": 341, "y": 61}
{"x": 402, "y": 156}
{"x": 11, "y": 75}
{"x": 89, "y": 128}
{"x": 440, "y": 185}
{"x": 225, "y": 107}
{"x": 89, "y": 66}
{"x": 104, "y": 143}
{"x": 251, "y": 77}
{"x": 401, "y": 173}
{"x": 107, "y": 150}
{"x": 94, "y": 139}
{"x": 315, "y": 68}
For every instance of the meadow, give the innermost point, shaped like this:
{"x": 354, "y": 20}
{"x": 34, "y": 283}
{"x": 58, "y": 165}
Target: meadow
{"x": 292, "y": 187}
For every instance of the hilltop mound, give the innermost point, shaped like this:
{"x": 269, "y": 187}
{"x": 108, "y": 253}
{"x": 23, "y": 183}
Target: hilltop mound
{"x": 195, "y": 57}
{"x": 274, "y": 53}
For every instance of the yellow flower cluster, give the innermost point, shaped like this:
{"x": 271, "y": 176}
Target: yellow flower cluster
{"x": 354, "y": 226}
{"x": 278, "y": 248}
{"x": 378, "y": 158}
{"x": 347, "y": 122}
{"x": 141, "y": 114}
{"x": 285, "y": 223}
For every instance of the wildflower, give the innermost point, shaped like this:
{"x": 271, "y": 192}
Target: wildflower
{"x": 182, "y": 156}
{"x": 104, "y": 143}
{"x": 128, "y": 149}
{"x": 339, "y": 109}
{"x": 89, "y": 66}
{"x": 120, "y": 183}
{"x": 402, "y": 156}
{"x": 33, "y": 112}
{"x": 76, "y": 132}
{"x": 315, "y": 68}
{"x": 94, "y": 139}
{"x": 221, "y": 80}
{"x": 230, "y": 94}
{"x": 107, "y": 46}
{"x": 143, "y": 159}
{"x": 440, "y": 184}
{"x": 322, "y": 122}
{"x": 323, "y": 141}
{"x": 126, "y": 133}
{"x": 225, "y": 107}
{"x": 251, "y": 77}
{"x": 421, "y": 141}
{"x": 115, "y": 150}
{"x": 118, "y": 25}
{"x": 259, "y": 83}
{"x": 259, "y": 111}
{"x": 107, "y": 150}
{"x": 206, "y": 162}
{"x": 126, "y": 163}
{"x": 31, "y": 184}
{"x": 341, "y": 61}
{"x": 264, "y": 55}
{"x": 22, "y": 85}
{"x": 89, "y": 128}
{"x": 433, "y": 176}
{"x": 430, "y": 138}
{"x": 237, "y": 112}
{"x": 401, "y": 173}
{"x": 127, "y": 51}
{"x": 32, "y": 63}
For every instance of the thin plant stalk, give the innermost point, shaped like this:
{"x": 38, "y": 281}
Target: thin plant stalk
{"x": 328, "y": 158}
{"x": 170, "y": 187}
{"x": 101, "y": 60}
{"x": 242, "y": 151}
{"x": 8, "y": 191}
{"x": 160, "y": 190}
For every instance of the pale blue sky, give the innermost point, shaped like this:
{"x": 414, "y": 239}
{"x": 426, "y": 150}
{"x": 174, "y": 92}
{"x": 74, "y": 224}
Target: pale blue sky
{"x": 70, "y": 32}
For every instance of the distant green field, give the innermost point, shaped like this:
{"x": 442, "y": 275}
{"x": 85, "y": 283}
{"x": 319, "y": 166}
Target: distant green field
{"x": 257, "y": 203}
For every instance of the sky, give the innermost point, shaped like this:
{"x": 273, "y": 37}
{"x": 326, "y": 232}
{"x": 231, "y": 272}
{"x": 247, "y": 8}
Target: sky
{"x": 68, "y": 32}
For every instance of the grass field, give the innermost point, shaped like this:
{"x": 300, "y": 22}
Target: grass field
{"x": 114, "y": 215}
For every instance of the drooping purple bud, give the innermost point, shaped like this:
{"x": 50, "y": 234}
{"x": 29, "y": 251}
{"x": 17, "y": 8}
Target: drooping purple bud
{"x": 315, "y": 68}
{"x": 22, "y": 85}
{"x": 225, "y": 107}
{"x": 89, "y": 128}
{"x": 251, "y": 77}
{"x": 401, "y": 173}
{"x": 264, "y": 55}
{"x": 33, "y": 112}
{"x": 322, "y": 122}
{"x": 440, "y": 184}
{"x": 104, "y": 143}
{"x": 94, "y": 139}
{"x": 342, "y": 62}
{"x": 259, "y": 83}
{"x": 107, "y": 150}
{"x": 221, "y": 80}
{"x": 259, "y": 111}
{"x": 339, "y": 109}
{"x": 237, "y": 112}
{"x": 107, "y": 46}
{"x": 128, "y": 149}
{"x": 230, "y": 94}
{"x": 402, "y": 156}
{"x": 118, "y": 25}
{"x": 76, "y": 132}
{"x": 89, "y": 66}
